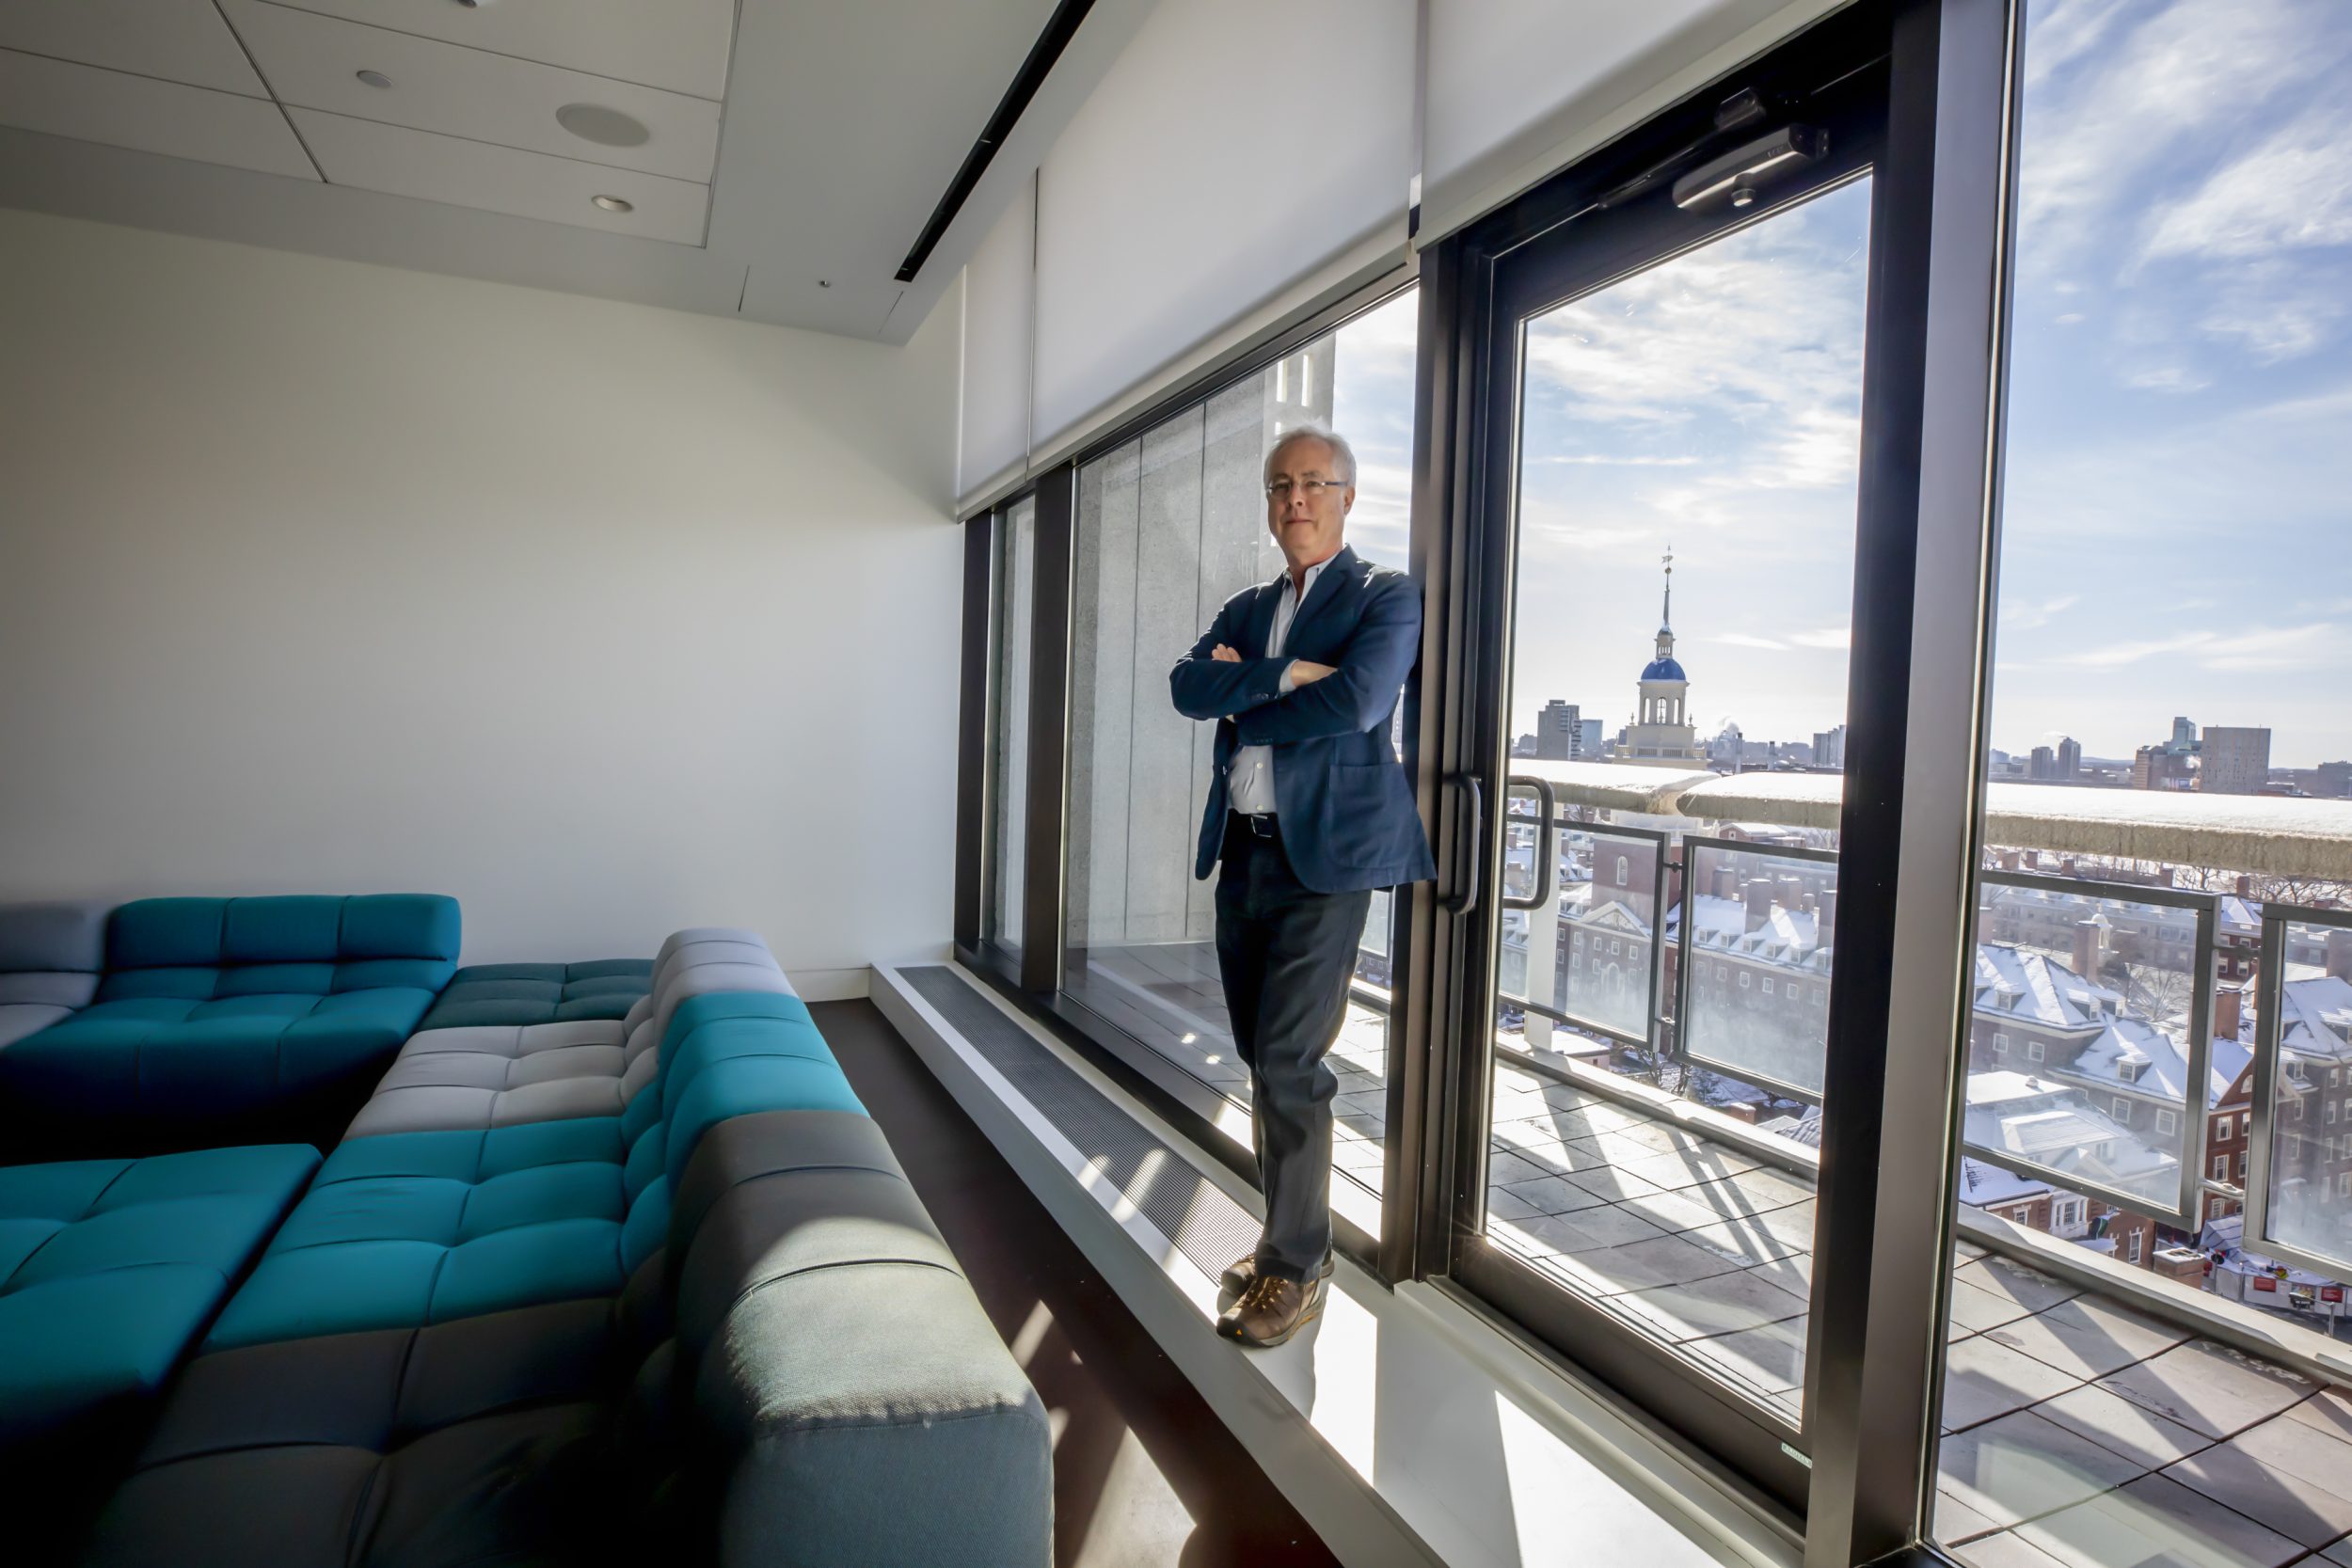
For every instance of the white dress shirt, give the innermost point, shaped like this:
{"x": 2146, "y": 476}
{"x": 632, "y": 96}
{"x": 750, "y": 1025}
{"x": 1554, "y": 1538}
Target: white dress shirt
{"x": 1250, "y": 786}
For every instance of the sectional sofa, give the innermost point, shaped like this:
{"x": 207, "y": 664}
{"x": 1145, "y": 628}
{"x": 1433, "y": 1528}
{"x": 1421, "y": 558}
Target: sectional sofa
{"x": 191, "y": 1022}
{"x": 574, "y": 1288}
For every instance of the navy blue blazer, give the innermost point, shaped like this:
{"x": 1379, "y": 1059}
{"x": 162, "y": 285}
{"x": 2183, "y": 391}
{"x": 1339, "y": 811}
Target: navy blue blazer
{"x": 1348, "y": 814}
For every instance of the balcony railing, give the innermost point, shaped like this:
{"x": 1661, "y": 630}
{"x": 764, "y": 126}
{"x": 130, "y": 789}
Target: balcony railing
{"x": 1711, "y": 898}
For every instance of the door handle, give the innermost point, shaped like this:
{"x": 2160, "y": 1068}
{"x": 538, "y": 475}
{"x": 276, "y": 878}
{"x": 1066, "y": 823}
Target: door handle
{"x": 1546, "y": 844}
{"x": 1464, "y": 901}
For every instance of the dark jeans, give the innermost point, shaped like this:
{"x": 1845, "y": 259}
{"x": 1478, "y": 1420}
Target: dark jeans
{"x": 1286, "y": 954}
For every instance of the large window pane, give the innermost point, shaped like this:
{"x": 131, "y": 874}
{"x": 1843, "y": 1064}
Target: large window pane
{"x": 2135, "y": 1371}
{"x": 1009, "y": 757}
{"x": 1655, "y": 1104}
{"x": 1169, "y": 527}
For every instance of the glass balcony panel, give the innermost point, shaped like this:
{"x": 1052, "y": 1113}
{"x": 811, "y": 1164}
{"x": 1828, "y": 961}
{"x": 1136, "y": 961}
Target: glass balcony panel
{"x": 2308, "y": 1186}
{"x": 1756, "y": 960}
{"x": 2083, "y": 1040}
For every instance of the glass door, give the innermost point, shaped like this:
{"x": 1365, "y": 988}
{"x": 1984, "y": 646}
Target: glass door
{"x": 1667, "y": 539}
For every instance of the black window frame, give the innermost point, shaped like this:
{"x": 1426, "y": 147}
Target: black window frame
{"x": 1941, "y": 191}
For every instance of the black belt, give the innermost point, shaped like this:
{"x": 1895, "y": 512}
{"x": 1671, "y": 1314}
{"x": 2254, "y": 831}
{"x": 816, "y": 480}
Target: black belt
{"x": 1262, "y": 823}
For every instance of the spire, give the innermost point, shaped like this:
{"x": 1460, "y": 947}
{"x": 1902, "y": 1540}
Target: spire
{"x": 1666, "y": 615}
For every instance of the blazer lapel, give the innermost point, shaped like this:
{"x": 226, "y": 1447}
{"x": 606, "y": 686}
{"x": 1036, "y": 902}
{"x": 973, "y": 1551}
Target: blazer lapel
{"x": 1335, "y": 578}
{"x": 1261, "y": 618}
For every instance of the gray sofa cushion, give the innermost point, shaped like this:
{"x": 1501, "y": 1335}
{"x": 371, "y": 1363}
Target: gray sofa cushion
{"x": 50, "y": 958}
{"x": 854, "y": 1402}
{"x": 466, "y": 1078}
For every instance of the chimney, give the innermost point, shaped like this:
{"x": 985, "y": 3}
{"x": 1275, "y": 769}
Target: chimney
{"x": 2011, "y": 860}
{"x": 1791, "y": 893}
{"x": 2184, "y": 1265}
{"x": 1759, "y": 903}
{"x": 2228, "y": 1007}
{"x": 1828, "y": 917}
{"x": 2066, "y": 866}
{"x": 1727, "y": 881}
{"x": 2245, "y": 885}
{"x": 2087, "y": 949}
{"x": 2340, "y": 954}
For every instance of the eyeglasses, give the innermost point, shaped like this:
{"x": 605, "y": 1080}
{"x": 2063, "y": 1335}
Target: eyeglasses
{"x": 1280, "y": 491}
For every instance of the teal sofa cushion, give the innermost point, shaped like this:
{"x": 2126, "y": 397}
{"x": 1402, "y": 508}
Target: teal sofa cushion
{"x": 406, "y": 1229}
{"x": 109, "y": 1269}
{"x": 227, "y": 1017}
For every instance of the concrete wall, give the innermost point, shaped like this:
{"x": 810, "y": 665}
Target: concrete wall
{"x": 323, "y": 576}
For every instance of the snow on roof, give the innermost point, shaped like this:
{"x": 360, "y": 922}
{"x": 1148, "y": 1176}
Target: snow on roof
{"x": 2315, "y": 1016}
{"x": 2053, "y": 1125}
{"x": 1981, "y": 1183}
{"x": 1789, "y": 937}
{"x": 2014, "y": 982}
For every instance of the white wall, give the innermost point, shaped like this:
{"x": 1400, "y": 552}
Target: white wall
{"x": 605, "y": 618}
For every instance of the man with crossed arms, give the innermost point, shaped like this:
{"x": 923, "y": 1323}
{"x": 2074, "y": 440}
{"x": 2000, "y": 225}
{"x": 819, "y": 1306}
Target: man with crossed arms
{"x": 1308, "y": 811}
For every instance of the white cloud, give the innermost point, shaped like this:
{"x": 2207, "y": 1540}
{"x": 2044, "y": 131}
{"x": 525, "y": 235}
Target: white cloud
{"x": 2027, "y": 615}
{"x": 1741, "y": 359}
{"x": 1610, "y": 460}
{"x": 2120, "y": 91}
{"x": 1828, "y": 637}
{"x": 2269, "y": 648}
{"x": 2165, "y": 378}
{"x": 1743, "y": 639}
{"x": 2294, "y": 191}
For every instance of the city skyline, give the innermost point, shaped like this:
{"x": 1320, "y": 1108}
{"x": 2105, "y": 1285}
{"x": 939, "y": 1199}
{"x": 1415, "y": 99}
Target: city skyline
{"x": 2172, "y": 523}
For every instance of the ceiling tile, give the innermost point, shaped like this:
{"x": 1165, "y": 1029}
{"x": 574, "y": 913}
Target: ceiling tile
{"x": 679, "y": 44}
{"x": 313, "y": 62}
{"x": 393, "y": 158}
{"x": 80, "y": 101}
{"x": 178, "y": 40}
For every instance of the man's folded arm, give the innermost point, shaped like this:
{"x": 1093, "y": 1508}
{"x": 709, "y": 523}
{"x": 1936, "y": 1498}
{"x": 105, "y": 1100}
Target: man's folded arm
{"x": 1206, "y": 688}
{"x": 1360, "y": 691}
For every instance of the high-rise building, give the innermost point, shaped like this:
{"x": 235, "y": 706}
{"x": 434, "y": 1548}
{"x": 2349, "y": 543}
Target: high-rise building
{"x": 2070, "y": 757}
{"x": 1560, "y": 730}
{"x": 2161, "y": 768}
{"x": 1829, "y": 747}
{"x": 2236, "y": 760}
{"x": 2042, "y": 764}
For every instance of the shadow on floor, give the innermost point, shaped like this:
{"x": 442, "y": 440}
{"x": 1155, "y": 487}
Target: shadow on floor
{"x": 1145, "y": 1476}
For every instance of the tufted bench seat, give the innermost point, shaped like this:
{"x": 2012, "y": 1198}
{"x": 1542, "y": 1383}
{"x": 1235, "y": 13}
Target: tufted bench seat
{"x": 540, "y": 993}
{"x": 219, "y": 1019}
{"x": 404, "y": 1229}
{"x": 504, "y": 1076}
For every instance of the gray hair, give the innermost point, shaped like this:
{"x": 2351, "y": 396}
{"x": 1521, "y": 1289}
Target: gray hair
{"x": 1313, "y": 432}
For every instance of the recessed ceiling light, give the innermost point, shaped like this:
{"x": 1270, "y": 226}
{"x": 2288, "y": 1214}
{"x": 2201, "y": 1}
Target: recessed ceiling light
{"x": 605, "y": 127}
{"x": 614, "y": 204}
{"x": 375, "y": 78}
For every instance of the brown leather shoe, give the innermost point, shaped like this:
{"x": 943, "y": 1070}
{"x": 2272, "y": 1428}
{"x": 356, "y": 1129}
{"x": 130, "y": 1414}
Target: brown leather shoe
{"x": 1242, "y": 1269}
{"x": 1271, "y": 1310}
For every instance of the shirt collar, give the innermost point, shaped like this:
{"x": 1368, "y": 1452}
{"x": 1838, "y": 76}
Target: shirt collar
{"x": 1313, "y": 572}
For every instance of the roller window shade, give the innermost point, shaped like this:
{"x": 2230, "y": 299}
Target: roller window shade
{"x": 1519, "y": 90}
{"x": 1234, "y": 152}
{"x": 998, "y": 284}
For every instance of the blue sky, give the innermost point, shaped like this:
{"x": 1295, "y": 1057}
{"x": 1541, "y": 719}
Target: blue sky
{"x": 2177, "y": 536}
